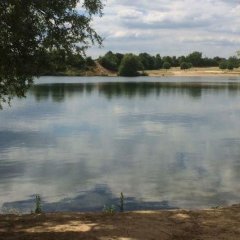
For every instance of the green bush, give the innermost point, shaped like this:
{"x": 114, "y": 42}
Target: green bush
{"x": 130, "y": 65}
{"x": 185, "y": 65}
{"x": 230, "y": 66}
{"x": 223, "y": 65}
{"x": 109, "y": 61}
{"x": 234, "y": 61}
{"x": 166, "y": 65}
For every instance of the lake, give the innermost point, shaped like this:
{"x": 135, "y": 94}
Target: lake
{"x": 169, "y": 142}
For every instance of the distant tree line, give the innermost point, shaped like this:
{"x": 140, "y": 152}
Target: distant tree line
{"x": 144, "y": 61}
{"x": 58, "y": 62}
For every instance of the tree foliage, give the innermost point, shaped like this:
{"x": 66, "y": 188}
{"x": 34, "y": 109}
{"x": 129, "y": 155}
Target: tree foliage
{"x": 195, "y": 58}
{"x": 158, "y": 61}
{"x": 185, "y": 65}
{"x": 30, "y": 29}
{"x": 151, "y": 62}
{"x": 130, "y": 66}
{"x": 147, "y": 61}
{"x": 234, "y": 61}
{"x": 229, "y": 64}
{"x": 166, "y": 65}
{"x": 223, "y": 65}
{"x": 110, "y": 61}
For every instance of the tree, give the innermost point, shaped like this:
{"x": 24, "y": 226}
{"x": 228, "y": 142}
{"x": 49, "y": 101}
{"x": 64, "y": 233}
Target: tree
{"x": 166, "y": 65}
{"x": 130, "y": 66}
{"x": 226, "y": 65}
{"x": 90, "y": 62}
{"x": 29, "y": 29}
{"x": 185, "y": 65}
{"x": 230, "y": 66}
{"x": 181, "y": 59}
{"x": 110, "y": 61}
{"x": 234, "y": 61}
{"x": 174, "y": 62}
{"x": 195, "y": 58}
{"x": 223, "y": 65}
{"x": 167, "y": 59}
{"x": 158, "y": 61}
{"x": 147, "y": 61}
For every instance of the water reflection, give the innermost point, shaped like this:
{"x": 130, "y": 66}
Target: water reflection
{"x": 58, "y": 91}
{"x": 93, "y": 200}
{"x": 163, "y": 145}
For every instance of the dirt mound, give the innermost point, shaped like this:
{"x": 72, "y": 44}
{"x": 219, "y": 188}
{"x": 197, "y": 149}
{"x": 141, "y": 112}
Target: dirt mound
{"x": 99, "y": 70}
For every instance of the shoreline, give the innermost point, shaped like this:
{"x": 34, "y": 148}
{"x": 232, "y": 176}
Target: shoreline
{"x": 174, "y": 72}
{"x": 215, "y": 223}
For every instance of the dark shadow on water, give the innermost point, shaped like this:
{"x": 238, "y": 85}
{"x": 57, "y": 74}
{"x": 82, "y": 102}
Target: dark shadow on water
{"x": 57, "y": 92}
{"x": 93, "y": 200}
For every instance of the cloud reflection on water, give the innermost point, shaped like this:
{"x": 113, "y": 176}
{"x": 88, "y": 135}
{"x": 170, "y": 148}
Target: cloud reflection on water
{"x": 164, "y": 143}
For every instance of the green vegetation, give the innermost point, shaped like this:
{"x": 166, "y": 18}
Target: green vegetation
{"x": 223, "y": 65}
{"x": 109, "y": 209}
{"x": 185, "y": 65}
{"x": 147, "y": 61}
{"x": 166, "y": 65}
{"x": 229, "y": 64}
{"x": 32, "y": 30}
{"x": 111, "y": 61}
{"x": 130, "y": 65}
{"x": 233, "y": 62}
{"x": 38, "y": 207}
{"x": 121, "y": 206}
{"x": 114, "y": 62}
{"x": 58, "y": 63}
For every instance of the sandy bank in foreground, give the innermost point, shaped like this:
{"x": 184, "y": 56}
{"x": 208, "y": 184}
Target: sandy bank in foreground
{"x": 219, "y": 223}
{"x": 194, "y": 72}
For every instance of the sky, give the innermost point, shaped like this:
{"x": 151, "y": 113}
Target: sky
{"x": 175, "y": 27}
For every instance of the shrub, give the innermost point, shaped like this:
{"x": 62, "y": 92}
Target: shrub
{"x": 230, "y": 66}
{"x": 130, "y": 65}
{"x": 109, "y": 61}
{"x": 166, "y": 65}
{"x": 185, "y": 65}
{"x": 223, "y": 65}
{"x": 109, "y": 209}
{"x": 38, "y": 207}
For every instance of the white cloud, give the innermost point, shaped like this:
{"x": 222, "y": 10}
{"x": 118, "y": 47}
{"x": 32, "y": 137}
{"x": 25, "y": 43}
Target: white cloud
{"x": 129, "y": 13}
{"x": 170, "y": 27}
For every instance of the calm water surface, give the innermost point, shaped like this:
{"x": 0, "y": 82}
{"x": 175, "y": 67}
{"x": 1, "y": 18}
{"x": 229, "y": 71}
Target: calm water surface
{"x": 163, "y": 142}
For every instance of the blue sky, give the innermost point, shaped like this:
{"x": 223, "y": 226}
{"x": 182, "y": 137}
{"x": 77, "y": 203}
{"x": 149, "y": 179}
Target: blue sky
{"x": 174, "y": 27}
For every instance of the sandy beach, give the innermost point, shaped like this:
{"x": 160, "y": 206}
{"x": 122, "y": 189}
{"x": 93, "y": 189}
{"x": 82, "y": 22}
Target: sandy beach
{"x": 194, "y": 72}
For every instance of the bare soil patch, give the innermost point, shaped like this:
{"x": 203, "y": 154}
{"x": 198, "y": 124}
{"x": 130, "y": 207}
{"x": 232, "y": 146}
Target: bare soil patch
{"x": 219, "y": 223}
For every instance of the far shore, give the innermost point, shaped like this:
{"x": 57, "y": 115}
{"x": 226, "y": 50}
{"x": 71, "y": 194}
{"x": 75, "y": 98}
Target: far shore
{"x": 216, "y": 223}
{"x": 194, "y": 72}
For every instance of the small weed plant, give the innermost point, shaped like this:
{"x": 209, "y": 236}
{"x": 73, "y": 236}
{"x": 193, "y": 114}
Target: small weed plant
{"x": 38, "y": 205}
{"x": 109, "y": 209}
{"x": 121, "y": 206}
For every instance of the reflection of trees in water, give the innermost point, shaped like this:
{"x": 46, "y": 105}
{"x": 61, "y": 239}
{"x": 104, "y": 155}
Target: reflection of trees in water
{"x": 58, "y": 92}
{"x": 92, "y": 200}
